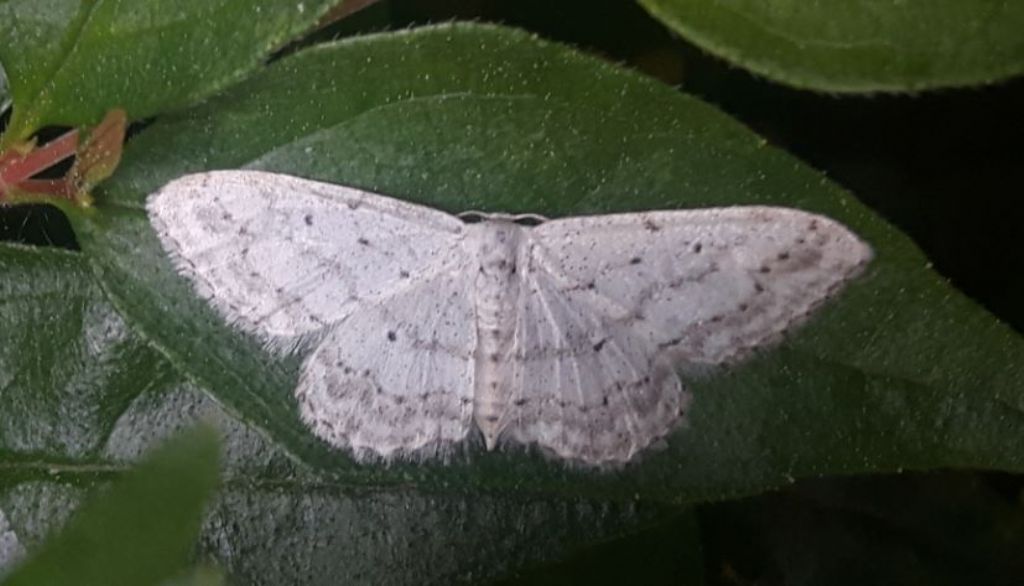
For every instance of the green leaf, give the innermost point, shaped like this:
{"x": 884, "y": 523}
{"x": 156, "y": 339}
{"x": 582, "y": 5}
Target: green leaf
{"x": 70, "y": 61}
{"x": 667, "y": 554}
{"x": 483, "y": 117}
{"x": 84, "y": 396}
{"x": 857, "y": 45}
{"x": 140, "y": 530}
{"x": 70, "y": 363}
{"x": 200, "y": 576}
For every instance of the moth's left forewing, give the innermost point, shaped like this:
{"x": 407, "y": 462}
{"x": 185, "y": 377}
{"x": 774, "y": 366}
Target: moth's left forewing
{"x": 707, "y": 285}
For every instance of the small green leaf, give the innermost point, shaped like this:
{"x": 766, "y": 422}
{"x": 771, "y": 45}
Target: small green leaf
{"x": 857, "y": 45}
{"x": 199, "y": 576}
{"x": 482, "y": 117}
{"x": 69, "y": 62}
{"x": 138, "y": 531}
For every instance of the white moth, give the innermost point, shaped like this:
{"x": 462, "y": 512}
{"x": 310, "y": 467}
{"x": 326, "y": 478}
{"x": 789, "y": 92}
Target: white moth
{"x": 422, "y": 326}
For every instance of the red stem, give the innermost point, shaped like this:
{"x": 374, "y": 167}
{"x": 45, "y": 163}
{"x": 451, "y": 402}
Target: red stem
{"x": 58, "y": 187}
{"x": 46, "y": 156}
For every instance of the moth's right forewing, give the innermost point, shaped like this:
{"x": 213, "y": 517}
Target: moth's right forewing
{"x": 283, "y": 257}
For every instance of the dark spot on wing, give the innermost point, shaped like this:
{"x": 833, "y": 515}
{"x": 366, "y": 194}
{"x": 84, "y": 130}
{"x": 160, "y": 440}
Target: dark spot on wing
{"x": 363, "y": 241}
{"x": 636, "y": 260}
{"x": 308, "y": 219}
{"x": 392, "y": 337}
{"x": 670, "y": 343}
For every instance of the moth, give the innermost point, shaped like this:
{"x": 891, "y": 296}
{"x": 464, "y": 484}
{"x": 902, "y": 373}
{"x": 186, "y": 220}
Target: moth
{"x": 425, "y": 329}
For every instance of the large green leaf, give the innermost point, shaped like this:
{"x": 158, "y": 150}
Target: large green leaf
{"x": 69, "y": 61}
{"x": 481, "y": 117}
{"x": 670, "y": 553}
{"x": 857, "y": 45}
{"x": 138, "y": 532}
{"x": 84, "y": 396}
{"x": 69, "y": 365}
